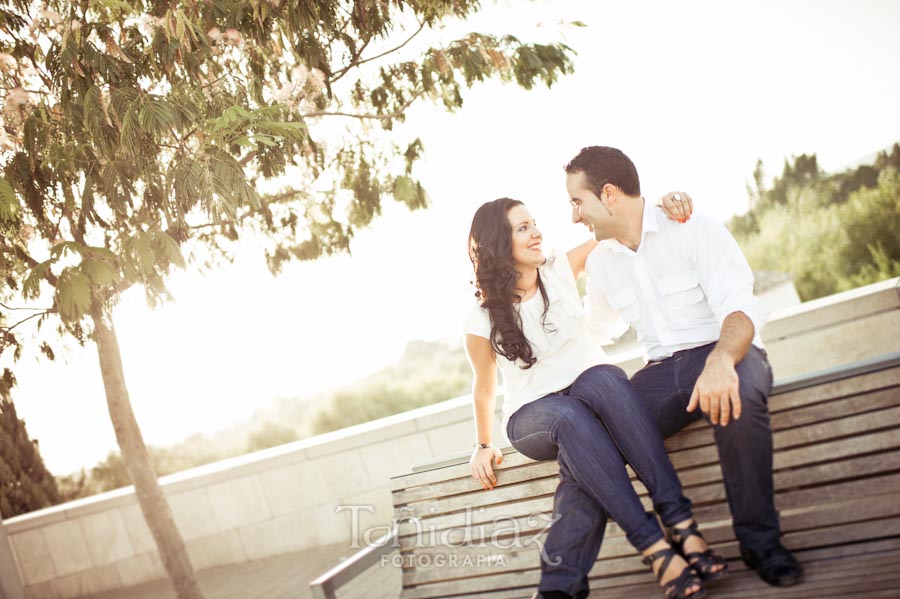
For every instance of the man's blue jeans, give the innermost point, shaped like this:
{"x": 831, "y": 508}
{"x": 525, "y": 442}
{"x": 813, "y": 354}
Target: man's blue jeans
{"x": 592, "y": 444}
{"x": 745, "y": 445}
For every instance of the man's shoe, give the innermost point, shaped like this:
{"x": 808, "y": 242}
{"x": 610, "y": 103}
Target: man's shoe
{"x": 777, "y": 566}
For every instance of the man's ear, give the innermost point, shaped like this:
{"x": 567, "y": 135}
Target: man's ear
{"x": 611, "y": 193}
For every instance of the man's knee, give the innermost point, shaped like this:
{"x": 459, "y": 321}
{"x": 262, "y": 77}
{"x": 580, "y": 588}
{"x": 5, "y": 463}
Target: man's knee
{"x": 755, "y": 380}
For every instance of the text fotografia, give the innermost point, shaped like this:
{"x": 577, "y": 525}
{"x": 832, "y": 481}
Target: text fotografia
{"x": 406, "y": 532}
{"x": 443, "y": 560}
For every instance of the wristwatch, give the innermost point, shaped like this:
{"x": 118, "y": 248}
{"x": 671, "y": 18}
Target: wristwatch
{"x": 481, "y": 445}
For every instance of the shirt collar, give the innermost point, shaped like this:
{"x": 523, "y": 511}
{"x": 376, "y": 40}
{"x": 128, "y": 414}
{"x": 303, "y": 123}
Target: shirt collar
{"x": 648, "y": 224}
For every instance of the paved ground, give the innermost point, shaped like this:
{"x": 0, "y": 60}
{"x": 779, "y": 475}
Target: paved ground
{"x": 281, "y": 577}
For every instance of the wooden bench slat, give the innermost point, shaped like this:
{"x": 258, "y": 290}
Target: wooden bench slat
{"x": 856, "y": 515}
{"x": 698, "y": 436}
{"x": 451, "y": 487}
{"x": 845, "y": 556}
{"x": 880, "y": 379}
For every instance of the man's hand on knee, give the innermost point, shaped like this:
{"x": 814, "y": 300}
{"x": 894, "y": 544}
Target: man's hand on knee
{"x": 716, "y": 391}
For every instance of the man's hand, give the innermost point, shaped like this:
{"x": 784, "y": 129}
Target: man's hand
{"x": 717, "y": 390}
{"x": 480, "y": 466}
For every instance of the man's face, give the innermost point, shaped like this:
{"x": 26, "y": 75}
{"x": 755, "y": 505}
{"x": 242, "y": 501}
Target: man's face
{"x": 587, "y": 208}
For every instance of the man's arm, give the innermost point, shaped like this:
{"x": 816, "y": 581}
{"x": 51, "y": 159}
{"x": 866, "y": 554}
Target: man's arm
{"x": 727, "y": 282}
{"x": 716, "y": 389}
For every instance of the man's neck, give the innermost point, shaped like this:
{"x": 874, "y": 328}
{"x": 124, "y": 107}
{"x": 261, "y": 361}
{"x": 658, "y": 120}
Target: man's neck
{"x": 633, "y": 225}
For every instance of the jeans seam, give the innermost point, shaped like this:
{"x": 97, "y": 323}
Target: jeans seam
{"x": 529, "y": 435}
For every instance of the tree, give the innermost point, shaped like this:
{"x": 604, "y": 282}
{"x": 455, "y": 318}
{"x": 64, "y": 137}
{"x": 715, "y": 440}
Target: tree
{"x": 832, "y": 231}
{"x": 25, "y": 483}
{"x": 133, "y": 129}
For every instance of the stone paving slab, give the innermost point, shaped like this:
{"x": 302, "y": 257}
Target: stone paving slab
{"x": 285, "y": 576}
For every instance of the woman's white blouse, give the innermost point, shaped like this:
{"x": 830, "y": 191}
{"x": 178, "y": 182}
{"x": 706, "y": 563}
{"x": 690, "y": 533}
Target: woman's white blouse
{"x": 564, "y": 348}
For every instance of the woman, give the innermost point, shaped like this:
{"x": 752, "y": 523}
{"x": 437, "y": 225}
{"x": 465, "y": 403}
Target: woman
{"x": 529, "y": 321}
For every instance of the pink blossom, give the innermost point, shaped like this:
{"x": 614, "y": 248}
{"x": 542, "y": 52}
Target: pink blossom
{"x": 299, "y": 75}
{"x": 214, "y": 34}
{"x": 7, "y": 63}
{"x": 17, "y": 97}
{"x": 75, "y": 24}
{"x": 51, "y": 16}
{"x": 6, "y": 142}
{"x": 233, "y": 36}
{"x": 26, "y": 232}
{"x": 318, "y": 78}
{"x": 284, "y": 93}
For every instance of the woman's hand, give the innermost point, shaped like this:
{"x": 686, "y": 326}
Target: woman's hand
{"x": 677, "y": 206}
{"x": 480, "y": 466}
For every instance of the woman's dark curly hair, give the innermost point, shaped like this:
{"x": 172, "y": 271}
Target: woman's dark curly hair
{"x": 490, "y": 249}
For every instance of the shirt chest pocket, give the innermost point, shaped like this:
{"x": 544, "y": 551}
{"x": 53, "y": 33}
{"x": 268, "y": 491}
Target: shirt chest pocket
{"x": 682, "y": 292}
{"x": 624, "y": 301}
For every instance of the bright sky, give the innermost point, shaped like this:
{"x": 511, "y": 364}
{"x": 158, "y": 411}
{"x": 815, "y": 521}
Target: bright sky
{"x": 694, "y": 92}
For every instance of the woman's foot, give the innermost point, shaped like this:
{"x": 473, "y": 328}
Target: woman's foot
{"x": 675, "y": 575}
{"x": 686, "y": 538}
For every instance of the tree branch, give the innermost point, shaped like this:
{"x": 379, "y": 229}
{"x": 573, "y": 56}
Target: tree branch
{"x": 43, "y": 312}
{"x": 356, "y": 63}
{"x": 382, "y": 117}
{"x": 2, "y": 305}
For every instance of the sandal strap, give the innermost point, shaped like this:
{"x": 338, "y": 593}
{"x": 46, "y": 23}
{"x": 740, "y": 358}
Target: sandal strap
{"x": 667, "y": 555}
{"x": 691, "y": 530}
{"x": 678, "y": 585}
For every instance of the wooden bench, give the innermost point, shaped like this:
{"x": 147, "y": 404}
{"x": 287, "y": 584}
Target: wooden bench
{"x": 837, "y": 480}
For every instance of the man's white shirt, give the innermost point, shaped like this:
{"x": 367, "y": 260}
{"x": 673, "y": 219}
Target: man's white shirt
{"x": 676, "y": 289}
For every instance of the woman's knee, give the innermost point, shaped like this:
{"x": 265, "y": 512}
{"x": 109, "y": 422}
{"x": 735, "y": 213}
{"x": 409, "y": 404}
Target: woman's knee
{"x": 602, "y": 376}
{"x": 603, "y": 383}
{"x": 569, "y": 412}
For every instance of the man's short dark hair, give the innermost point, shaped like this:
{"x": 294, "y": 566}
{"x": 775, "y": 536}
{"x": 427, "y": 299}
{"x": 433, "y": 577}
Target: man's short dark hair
{"x": 602, "y": 165}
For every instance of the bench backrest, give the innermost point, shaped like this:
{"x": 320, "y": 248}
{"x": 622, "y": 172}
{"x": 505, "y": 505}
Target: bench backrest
{"x": 837, "y": 476}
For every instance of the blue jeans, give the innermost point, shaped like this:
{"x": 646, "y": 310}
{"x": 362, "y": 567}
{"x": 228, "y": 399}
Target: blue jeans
{"x": 592, "y": 444}
{"x": 745, "y": 445}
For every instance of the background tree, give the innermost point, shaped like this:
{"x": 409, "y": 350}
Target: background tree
{"x": 832, "y": 231}
{"x": 25, "y": 483}
{"x": 135, "y": 130}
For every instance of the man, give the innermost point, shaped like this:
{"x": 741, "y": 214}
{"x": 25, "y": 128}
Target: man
{"x": 688, "y": 291}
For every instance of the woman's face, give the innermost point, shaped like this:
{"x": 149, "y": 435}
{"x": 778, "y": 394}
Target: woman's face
{"x": 526, "y": 238}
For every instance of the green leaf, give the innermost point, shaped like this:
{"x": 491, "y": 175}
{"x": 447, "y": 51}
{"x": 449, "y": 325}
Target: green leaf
{"x": 31, "y": 287}
{"x": 9, "y": 203}
{"x": 73, "y": 295}
{"x": 157, "y": 117}
{"x": 66, "y": 247}
{"x": 168, "y": 247}
{"x": 404, "y": 190}
{"x": 100, "y": 272}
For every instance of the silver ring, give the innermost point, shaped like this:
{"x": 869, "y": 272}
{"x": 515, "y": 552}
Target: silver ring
{"x": 676, "y": 197}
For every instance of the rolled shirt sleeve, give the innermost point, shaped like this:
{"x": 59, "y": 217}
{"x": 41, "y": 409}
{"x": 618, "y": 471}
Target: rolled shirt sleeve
{"x": 723, "y": 271}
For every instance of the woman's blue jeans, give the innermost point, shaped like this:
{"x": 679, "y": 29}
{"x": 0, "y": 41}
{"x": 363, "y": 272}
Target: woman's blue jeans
{"x": 592, "y": 445}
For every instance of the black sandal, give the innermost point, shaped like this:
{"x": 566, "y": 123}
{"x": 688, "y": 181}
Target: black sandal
{"x": 675, "y": 588}
{"x": 702, "y": 561}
